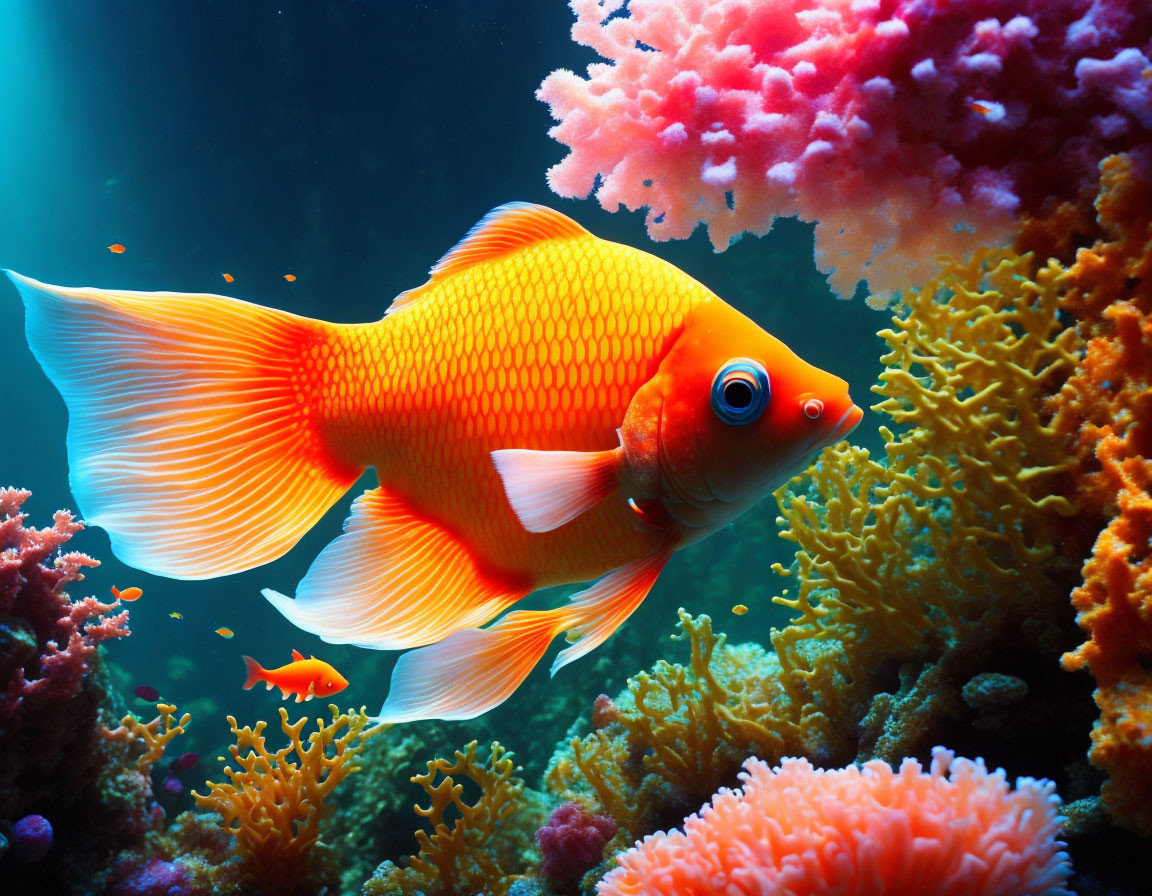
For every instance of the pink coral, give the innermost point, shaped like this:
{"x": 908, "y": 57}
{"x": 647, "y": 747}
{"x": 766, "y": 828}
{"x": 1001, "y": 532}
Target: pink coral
{"x": 905, "y": 128}
{"x": 957, "y": 829}
{"x": 48, "y": 639}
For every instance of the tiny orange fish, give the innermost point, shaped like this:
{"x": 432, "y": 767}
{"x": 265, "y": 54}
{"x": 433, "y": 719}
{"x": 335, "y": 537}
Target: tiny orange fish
{"x": 306, "y": 678}
{"x": 289, "y": 277}
{"x": 739, "y": 609}
{"x": 128, "y": 594}
{"x": 117, "y": 249}
{"x": 228, "y": 278}
{"x": 225, "y": 632}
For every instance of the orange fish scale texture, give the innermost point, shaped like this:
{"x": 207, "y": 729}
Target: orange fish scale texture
{"x": 540, "y": 349}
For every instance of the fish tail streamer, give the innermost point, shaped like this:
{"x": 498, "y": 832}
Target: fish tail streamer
{"x": 476, "y": 669}
{"x": 189, "y": 434}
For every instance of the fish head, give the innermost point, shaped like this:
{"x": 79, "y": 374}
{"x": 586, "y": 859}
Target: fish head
{"x": 329, "y": 681}
{"x": 731, "y": 414}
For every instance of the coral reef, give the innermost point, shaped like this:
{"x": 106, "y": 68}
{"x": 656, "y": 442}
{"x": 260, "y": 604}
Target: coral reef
{"x": 952, "y": 831}
{"x": 154, "y": 735}
{"x": 474, "y": 846}
{"x": 52, "y": 758}
{"x": 571, "y": 844}
{"x": 1105, "y": 411}
{"x": 275, "y": 801}
{"x": 905, "y": 130}
{"x": 678, "y": 734}
{"x": 970, "y": 491}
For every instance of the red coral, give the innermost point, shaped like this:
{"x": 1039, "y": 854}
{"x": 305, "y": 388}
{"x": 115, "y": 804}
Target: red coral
{"x": 48, "y": 639}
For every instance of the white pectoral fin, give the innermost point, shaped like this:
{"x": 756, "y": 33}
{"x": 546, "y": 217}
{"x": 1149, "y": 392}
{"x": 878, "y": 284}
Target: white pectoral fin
{"x": 550, "y": 488}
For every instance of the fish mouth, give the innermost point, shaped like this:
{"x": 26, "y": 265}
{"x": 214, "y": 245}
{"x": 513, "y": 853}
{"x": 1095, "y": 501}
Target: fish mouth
{"x": 848, "y": 421}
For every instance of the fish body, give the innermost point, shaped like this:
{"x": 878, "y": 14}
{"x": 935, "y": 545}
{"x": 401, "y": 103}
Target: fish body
{"x": 302, "y": 678}
{"x": 548, "y": 408}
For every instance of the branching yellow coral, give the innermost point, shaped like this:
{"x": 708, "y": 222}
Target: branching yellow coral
{"x": 274, "y": 802}
{"x": 460, "y": 856}
{"x": 899, "y": 556}
{"x": 154, "y": 735}
{"x": 687, "y": 728}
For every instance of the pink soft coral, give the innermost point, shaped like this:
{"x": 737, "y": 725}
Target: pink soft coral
{"x": 48, "y": 638}
{"x": 904, "y": 128}
{"x": 955, "y": 831}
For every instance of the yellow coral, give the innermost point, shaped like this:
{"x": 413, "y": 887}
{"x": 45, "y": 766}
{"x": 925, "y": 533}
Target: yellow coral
{"x": 274, "y": 802}
{"x": 968, "y": 495}
{"x": 459, "y": 857}
{"x": 154, "y": 735}
{"x": 689, "y": 727}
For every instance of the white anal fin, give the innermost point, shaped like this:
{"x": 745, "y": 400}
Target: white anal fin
{"x": 475, "y": 669}
{"x": 550, "y": 488}
{"x": 394, "y": 580}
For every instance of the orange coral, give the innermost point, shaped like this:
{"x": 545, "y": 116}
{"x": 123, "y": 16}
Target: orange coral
{"x": 155, "y": 735}
{"x": 1105, "y": 411}
{"x": 274, "y": 802}
{"x": 954, "y": 830}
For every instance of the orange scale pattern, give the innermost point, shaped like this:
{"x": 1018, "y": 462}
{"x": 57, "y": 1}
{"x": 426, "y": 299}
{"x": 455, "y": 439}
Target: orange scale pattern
{"x": 542, "y": 349}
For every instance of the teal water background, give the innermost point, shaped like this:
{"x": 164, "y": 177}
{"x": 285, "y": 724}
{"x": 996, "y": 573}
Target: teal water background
{"x": 350, "y": 144}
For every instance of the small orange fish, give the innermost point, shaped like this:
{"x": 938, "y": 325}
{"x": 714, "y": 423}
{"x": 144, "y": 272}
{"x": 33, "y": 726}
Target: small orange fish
{"x": 228, "y": 278}
{"x": 306, "y": 678}
{"x": 739, "y": 609}
{"x": 117, "y": 249}
{"x": 289, "y": 277}
{"x": 128, "y": 594}
{"x": 548, "y": 408}
{"x": 225, "y": 632}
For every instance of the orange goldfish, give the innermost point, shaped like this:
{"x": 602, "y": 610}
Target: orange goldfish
{"x": 548, "y": 408}
{"x": 128, "y": 594}
{"x": 117, "y": 249}
{"x": 228, "y": 278}
{"x": 306, "y": 678}
{"x": 290, "y": 277}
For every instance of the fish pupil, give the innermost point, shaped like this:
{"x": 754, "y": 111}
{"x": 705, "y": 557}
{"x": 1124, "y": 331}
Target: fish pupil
{"x": 738, "y": 395}
{"x": 740, "y": 391}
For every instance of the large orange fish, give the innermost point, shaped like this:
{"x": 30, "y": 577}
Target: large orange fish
{"x": 548, "y": 408}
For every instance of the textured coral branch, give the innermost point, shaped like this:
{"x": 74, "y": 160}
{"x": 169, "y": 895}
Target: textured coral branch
{"x": 906, "y": 129}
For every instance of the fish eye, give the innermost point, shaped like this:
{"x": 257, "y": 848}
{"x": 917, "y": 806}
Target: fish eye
{"x": 813, "y": 408}
{"x": 740, "y": 391}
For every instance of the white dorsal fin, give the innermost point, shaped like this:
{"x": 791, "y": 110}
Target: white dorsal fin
{"x": 505, "y": 229}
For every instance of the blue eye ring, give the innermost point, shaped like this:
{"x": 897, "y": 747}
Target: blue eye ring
{"x": 740, "y": 391}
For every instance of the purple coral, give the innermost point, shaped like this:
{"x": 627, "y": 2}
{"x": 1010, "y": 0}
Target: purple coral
{"x": 157, "y": 878}
{"x": 572, "y": 843}
{"x": 31, "y": 838}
